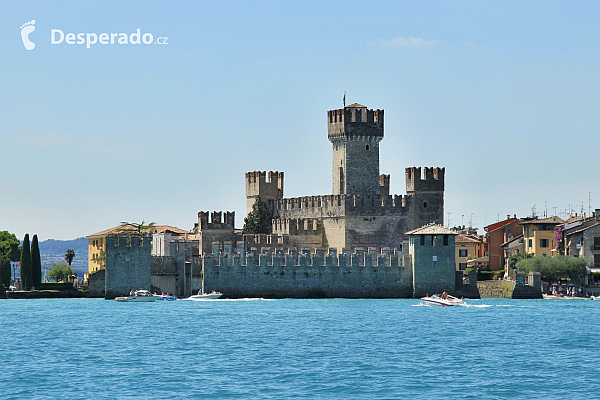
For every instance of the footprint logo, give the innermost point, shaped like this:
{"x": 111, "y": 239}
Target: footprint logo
{"x": 26, "y": 29}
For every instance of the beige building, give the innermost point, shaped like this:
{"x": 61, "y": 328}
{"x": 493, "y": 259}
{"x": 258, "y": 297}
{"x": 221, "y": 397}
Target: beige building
{"x": 468, "y": 247}
{"x": 539, "y": 235}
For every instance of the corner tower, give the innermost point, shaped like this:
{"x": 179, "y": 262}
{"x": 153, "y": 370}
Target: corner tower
{"x": 355, "y": 133}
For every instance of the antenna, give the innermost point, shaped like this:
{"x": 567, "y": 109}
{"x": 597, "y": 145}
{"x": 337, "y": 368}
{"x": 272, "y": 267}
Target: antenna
{"x": 448, "y": 213}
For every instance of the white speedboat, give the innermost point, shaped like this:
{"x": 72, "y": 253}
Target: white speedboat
{"x": 166, "y": 297}
{"x": 206, "y": 296}
{"x": 139, "y": 296}
{"x": 437, "y": 300}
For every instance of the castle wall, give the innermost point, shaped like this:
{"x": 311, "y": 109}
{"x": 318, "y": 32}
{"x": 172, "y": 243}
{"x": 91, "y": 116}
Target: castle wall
{"x": 309, "y": 276}
{"x": 127, "y": 264}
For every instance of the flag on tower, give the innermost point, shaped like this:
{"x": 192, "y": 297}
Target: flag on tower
{"x": 344, "y": 98}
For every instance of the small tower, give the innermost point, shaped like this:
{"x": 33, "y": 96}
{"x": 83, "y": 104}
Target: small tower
{"x": 269, "y": 191}
{"x": 426, "y": 190}
{"x": 355, "y": 133}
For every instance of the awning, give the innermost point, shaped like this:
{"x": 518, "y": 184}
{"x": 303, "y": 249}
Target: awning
{"x": 480, "y": 260}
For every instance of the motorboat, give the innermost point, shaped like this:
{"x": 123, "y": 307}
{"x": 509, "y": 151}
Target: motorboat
{"x": 166, "y": 297}
{"x": 206, "y": 296}
{"x": 437, "y": 300}
{"x": 141, "y": 295}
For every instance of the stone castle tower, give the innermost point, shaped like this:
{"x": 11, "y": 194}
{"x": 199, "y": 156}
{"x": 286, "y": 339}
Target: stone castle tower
{"x": 360, "y": 212}
{"x": 355, "y": 133}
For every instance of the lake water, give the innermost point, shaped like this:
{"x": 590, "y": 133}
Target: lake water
{"x": 312, "y": 349}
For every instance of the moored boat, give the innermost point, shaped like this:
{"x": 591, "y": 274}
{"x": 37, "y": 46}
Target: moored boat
{"x": 437, "y": 300}
{"x": 141, "y": 295}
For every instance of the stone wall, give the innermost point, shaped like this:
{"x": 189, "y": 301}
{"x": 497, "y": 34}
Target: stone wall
{"x": 319, "y": 275}
{"x": 97, "y": 283}
{"x": 127, "y": 264}
{"x": 520, "y": 288}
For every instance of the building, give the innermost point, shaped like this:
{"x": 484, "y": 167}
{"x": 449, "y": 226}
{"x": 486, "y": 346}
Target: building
{"x": 539, "y": 235}
{"x": 468, "y": 248}
{"x": 360, "y": 212}
{"x": 432, "y": 253}
{"x": 498, "y": 234}
{"x": 97, "y": 242}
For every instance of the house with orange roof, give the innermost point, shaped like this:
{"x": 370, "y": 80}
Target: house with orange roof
{"x": 498, "y": 234}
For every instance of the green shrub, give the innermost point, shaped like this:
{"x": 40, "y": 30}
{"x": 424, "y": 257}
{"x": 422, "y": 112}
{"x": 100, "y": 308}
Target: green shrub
{"x": 554, "y": 268}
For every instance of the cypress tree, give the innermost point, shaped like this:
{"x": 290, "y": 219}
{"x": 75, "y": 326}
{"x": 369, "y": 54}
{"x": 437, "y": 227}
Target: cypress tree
{"x": 26, "y": 274}
{"x": 36, "y": 263}
{"x": 259, "y": 219}
{"x": 5, "y": 272}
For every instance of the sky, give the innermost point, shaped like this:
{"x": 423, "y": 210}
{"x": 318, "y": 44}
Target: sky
{"x": 504, "y": 95}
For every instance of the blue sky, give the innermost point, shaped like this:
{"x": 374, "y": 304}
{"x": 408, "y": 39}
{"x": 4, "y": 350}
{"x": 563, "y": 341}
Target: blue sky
{"x": 504, "y": 95}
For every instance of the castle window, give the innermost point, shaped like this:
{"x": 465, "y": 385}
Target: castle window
{"x": 425, "y": 204}
{"x": 422, "y": 240}
{"x": 367, "y": 147}
{"x": 445, "y": 240}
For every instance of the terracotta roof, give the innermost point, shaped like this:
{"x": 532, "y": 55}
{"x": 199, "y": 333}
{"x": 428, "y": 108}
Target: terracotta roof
{"x": 462, "y": 238}
{"x": 124, "y": 229}
{"x": 432, "y": 229}
{"x": 551, "y": 220}
{"x": 500, "y": 224}
{"x": 356, "y": 105}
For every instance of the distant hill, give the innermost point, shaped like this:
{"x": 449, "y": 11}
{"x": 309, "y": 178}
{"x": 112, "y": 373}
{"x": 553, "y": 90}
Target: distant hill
{"x": 53, "y": 251}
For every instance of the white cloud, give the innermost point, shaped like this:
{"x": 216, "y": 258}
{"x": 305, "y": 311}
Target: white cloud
{"x": 403, "y": 42}
{"x": 469, "y": 43}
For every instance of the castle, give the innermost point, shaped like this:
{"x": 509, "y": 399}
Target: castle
{"x": 359, "y": 241}
{"x": 360, "y": 212}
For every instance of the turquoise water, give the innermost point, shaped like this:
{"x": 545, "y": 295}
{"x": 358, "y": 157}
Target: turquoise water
{"x": 312, "y": 349}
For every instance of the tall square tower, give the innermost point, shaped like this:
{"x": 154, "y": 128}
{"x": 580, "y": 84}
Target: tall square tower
{"x": 355, "y": 133}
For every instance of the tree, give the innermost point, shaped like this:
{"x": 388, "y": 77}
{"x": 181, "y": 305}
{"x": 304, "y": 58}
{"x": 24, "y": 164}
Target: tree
{"x": 140, "y": 229}
{"x": 69, "y": 256}
{"x": 555, "y": 268}
{"x": 36, "y": 263}
{"x": 5, "y": 272}
{"x": 26, "y": 269}
{"x": 60, "y": 272}
{"x": 515, "y": 258}
{"x": 259, "y": 219}
{"x": 9, "y": 246}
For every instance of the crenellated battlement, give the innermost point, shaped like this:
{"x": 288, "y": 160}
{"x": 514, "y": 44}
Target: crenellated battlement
{"x": 257, "y": 183}
{"x": 339, "y": 205}
{"x": 297, "y": 226}
{"x": 428, "y": 179}
{"x": 384, "y": 185}
{"x": 355, "y": 122}
{"x": 268, "y": 190}
{"x": 132, "y": 241}
{"x": 218, "y": 220}
{"x": 305, "y": 257}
